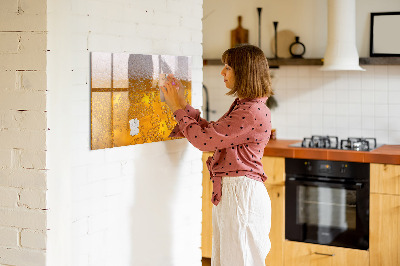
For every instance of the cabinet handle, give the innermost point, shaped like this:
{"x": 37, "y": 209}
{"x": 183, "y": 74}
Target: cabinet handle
{"x": 324, "y": 254}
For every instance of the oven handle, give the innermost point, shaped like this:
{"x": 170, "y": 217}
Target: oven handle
{"x": 357, "y": 185}
{"x": 324, "y": 254}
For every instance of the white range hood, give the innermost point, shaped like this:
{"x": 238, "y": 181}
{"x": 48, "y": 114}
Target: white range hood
{"x": 341, "y": 51}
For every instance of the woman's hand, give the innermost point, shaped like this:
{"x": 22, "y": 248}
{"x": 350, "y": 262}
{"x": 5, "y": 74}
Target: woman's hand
{"x": 181, "y": 91}
{"x": 174, "y": 93}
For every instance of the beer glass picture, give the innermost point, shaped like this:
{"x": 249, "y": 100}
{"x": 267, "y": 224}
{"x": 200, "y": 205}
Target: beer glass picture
{"x": 127, "y": 106}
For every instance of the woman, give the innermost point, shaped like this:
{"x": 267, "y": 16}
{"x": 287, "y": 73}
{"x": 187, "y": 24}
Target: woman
{"x": 242, "y": 208}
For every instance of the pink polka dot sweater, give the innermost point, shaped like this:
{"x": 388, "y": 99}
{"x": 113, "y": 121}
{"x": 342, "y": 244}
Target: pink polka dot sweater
{"x": 238, "y": 139}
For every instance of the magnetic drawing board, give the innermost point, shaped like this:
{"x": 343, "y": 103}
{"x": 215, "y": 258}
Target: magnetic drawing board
{"x": 126, "y": 108}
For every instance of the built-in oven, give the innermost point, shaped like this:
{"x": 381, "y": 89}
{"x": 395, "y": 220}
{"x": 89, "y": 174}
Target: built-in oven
{"x": 327, "y": 202}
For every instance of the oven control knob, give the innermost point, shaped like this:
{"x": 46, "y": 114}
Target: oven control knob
{"x": 343, "y": 168}
{"x": 308, "y": 166}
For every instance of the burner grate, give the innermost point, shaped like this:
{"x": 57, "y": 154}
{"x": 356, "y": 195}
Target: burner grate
{"x": 332, "y": 142}
{"x": 358, "y": 144}
{"x": 327, "y": 142}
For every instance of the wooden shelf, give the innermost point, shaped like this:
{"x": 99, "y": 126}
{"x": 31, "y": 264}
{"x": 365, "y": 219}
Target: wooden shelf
{"x": 380, "y": 61}
{"x": 274, "y": 63}
{"x": 212, "y": 62}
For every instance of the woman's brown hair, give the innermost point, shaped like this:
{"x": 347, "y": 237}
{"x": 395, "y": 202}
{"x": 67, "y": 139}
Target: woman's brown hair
{"x": 250, "y": 66}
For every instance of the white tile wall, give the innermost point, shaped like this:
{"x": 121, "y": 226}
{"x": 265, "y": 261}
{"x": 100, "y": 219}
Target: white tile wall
{"x": 312, "y": 102}
{"x": 344, "y": 103}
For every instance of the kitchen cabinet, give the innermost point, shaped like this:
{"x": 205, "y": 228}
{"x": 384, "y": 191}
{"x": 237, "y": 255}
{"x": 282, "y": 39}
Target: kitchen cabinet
{"x": 277, "y": 233}
{"x": 305, "y": 254}
{"x": 384, "y": 245}
{"x": 206, "y": 226}
{"x": 274, "y": 168}
{"x": 385, "y": 230}
{"x": 385, "y": 215}
{"x": 385, "y": 178}
{"x": 384, "y": 248}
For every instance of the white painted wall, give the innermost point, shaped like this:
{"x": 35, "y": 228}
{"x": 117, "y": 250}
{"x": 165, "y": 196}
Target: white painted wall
{"x": 311, "y": 102}
{"x": 23, "y": 133}
{"x": 134, "y": 205}
{"x": 306, "y": 19}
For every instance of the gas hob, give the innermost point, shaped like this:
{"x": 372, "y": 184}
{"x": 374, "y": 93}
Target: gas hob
{"x": 332, "y": 142}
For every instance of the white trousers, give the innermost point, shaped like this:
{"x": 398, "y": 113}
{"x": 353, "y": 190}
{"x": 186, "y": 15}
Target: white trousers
{"x": 241, "y": 223}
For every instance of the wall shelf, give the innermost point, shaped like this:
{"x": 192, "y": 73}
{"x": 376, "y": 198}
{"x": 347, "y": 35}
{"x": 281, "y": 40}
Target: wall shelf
{"x": 380, "y": 61}
{"x": 274, "y": 63}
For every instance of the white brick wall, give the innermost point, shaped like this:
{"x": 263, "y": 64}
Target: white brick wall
{"x": 9, "y": 237}
{"x": 134, "y": 205}
{"x": 23, "y": 132}
{"x": 119, "y": 206}
{"x": 33, "y": 239}
{"x": 8, "y": 197}
{"x": 11, "y": 256}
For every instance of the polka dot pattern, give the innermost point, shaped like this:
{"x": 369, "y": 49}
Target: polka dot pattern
{"x": 238, "y": 139}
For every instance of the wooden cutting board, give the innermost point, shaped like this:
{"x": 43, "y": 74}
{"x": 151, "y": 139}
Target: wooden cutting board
{"x": 239, "y": 35}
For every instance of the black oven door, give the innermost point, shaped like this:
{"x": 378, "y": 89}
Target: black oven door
{"x": 327, "y": 212}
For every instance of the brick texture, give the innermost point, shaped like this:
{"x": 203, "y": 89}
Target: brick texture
{"x": 23, "y": 218}
{"x": 45, "y": 160}
{"x": 33, "y": 199}
{"x": 23, "y": 126}
{"x": 9, "y": 237}
{"x": 33, "y": 239}
{"x": 8, "y": 197}
{"x": 17, "y": 256}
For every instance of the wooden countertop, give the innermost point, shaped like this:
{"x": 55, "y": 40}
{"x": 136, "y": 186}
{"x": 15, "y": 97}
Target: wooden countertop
{"x": 389, "y": 154}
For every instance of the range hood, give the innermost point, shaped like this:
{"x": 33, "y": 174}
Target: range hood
{"x": 341, "y": 51}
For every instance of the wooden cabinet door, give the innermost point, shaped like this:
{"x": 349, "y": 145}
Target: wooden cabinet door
{"x": 385, "y": 178}
{"x": 274, "y": 168}
{"x": 277, "y": 233}
{"x": 206, "y": 226}
{"x": 304, "y": 254}
{"x": 384, "y": 236}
